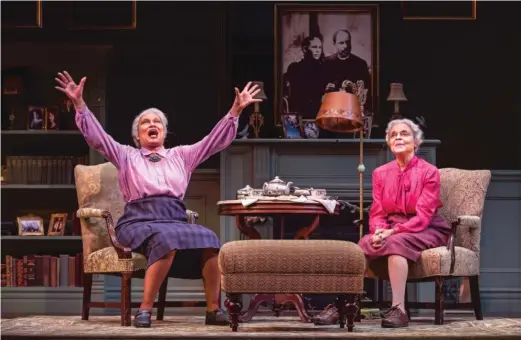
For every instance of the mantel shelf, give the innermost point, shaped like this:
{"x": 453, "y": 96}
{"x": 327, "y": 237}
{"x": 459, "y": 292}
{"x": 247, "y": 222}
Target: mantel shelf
{"x": 37, "y": 186}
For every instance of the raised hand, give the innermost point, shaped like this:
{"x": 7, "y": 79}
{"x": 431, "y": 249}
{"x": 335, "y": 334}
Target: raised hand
{"x": 70, "y": 88}
{"x": 245, "y": 98}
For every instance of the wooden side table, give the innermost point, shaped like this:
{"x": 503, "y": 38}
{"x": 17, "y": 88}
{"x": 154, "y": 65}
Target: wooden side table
{"x": 276, "y": 209}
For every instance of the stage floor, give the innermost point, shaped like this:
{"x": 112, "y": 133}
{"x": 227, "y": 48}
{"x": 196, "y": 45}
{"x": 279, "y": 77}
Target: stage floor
{"x": 261, "y": 327}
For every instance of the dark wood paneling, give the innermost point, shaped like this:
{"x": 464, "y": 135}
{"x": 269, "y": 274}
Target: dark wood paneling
{"x": 457, "y": 74}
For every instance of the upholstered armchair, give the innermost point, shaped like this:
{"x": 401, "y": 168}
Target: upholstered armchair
{"x": 100, "y": 206}
{"x": 463, "y": 195}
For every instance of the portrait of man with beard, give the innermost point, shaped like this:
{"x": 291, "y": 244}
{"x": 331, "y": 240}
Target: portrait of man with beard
{"x": 344, "y": 65}
{"x": 319, "y": 48}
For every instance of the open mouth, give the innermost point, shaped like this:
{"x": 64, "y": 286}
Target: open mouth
{"x": 153, "y": 133}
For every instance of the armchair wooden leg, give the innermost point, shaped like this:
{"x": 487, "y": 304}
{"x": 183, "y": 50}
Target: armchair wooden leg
{"x": 87, "y": 292}
{"x": 439, "y": 301}
{"x": 161, "y": 299}
{"x": 476, "y": 299}
{"x": 126, "y": 284}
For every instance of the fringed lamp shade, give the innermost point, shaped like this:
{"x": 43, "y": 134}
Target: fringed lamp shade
{"x": 340, "y": 112}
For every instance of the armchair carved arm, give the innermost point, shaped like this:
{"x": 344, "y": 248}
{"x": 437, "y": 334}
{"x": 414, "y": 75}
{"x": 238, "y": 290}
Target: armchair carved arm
{"x": 122, "y": 252}
{"x": 468, "y": 221}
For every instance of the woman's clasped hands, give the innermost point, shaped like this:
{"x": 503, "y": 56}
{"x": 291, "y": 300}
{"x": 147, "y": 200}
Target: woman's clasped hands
{"x": 379, "y": 237}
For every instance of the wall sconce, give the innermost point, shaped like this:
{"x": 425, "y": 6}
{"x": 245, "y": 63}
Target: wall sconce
{"x": 396, "y": 95}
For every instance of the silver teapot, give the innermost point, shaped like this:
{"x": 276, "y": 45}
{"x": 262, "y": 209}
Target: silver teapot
{"x": 277, "y": 187}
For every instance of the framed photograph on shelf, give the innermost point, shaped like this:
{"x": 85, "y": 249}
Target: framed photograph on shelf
{"x": 52, "y": 118}
{"x": 36, "y": 118}
{"x": 291, "y": 126}
{"x": 30, "y": 225}
{"x": 57, "y": 224}
{"x": 12, "y": 85}
{"x": 320, "y": 46}
{"x": 13, "y": 117}
{"x": 310, "y": 129}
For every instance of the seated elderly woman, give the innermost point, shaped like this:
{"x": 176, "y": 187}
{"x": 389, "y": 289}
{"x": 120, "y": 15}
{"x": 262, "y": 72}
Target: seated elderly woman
{"x": 153, "y": 181}
{"x": 403, "y": 219}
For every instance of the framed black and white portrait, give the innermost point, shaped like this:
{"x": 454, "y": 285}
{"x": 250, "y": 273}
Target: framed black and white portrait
{"x": 36, "y": 118}
{"x": 323, "y": 48}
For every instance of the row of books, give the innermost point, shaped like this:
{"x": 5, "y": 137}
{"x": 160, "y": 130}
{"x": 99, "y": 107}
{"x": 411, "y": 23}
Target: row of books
{"x": 42, "y": 169}
{"x": 43, "y": 271}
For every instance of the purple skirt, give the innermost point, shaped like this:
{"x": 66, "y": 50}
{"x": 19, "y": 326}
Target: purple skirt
{"x": 408, "y": 245}
{"x": 156, "y": 225}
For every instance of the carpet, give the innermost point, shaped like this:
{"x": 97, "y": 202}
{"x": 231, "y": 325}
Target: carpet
{"x": 260, "y": 327}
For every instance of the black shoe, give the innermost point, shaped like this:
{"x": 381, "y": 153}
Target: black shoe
{"x": 218, "y": 317}
{"x": 143, "y": 319}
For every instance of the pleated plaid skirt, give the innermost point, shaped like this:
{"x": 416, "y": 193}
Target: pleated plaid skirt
{"x": 156, "y": 225}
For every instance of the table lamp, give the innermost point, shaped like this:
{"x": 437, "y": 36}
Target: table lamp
{"x": 342, "y": 112}
{"x": 256, "y": 118}
{"x": 396, "y": 95}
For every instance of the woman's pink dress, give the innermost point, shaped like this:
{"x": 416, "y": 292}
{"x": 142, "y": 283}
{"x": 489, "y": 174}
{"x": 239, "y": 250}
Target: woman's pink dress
{"x": 407, "y": 201}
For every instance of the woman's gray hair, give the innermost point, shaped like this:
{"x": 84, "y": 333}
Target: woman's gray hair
{"x": 135, "y": 123}
{"x": 416, "y": 131}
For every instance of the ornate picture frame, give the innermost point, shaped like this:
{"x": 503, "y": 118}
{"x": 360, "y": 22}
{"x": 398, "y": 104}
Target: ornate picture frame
{"x": 57, "y": 224}
{"x": 30, "y": 225}
{"x": 316, "y": 41}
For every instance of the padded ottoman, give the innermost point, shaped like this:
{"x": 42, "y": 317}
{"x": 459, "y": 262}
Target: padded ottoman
{"x": 293, "y": 266}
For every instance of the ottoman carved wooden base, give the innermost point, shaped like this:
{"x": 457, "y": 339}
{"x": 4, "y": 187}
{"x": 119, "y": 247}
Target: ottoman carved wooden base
{"x": 269, "y": 267}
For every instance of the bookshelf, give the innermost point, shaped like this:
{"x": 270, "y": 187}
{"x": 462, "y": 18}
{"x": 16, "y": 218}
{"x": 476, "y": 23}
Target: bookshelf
{"x": 37, "y": 177}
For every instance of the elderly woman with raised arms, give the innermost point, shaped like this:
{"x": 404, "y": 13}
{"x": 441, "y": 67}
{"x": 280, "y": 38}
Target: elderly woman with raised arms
{"x": 403, "y": 219}
{"x": 153, "y": 182}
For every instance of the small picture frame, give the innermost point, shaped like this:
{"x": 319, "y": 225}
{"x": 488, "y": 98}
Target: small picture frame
{"x": 36, "y": 118}
{"x": 310, "y": 129}
{"x": 30, "y": 225}
{"x": 291, "y": 125}
{"x": 52, "y": 118}
{"x": 57, "y": 224}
